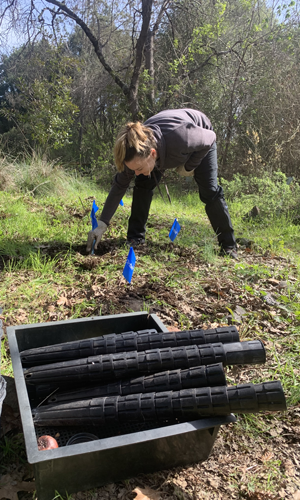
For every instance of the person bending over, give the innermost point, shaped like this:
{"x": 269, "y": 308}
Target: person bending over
{"x": 181, "y": 139}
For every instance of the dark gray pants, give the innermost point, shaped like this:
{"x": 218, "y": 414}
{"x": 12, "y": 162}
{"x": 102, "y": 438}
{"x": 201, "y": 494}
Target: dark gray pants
{"x": 211, "y": 194}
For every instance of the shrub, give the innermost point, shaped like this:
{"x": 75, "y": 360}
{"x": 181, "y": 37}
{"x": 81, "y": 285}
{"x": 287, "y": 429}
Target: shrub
{"x": 273, "y": 194}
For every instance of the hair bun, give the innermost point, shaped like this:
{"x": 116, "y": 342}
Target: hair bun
{"x": 130, "y": 126}
{"x": 134, "y": 139}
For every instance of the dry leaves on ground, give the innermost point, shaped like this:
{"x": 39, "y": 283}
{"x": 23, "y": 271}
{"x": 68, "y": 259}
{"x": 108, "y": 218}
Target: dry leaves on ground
{"x": 146, "y": 494}
{"x": 10, "y": 485}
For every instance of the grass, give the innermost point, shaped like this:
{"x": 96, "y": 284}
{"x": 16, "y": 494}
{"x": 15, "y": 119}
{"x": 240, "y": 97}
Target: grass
{"x": 47, "y": 276}
{"x": 12, "y": 450}
{"x": 6, "y": 366}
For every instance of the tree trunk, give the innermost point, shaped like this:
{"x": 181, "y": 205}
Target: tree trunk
{"x": 140, "y": 46}
{"x": 149, "y": 64}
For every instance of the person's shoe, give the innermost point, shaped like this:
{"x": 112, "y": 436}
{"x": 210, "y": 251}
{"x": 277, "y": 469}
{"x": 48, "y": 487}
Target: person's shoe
{"x": 135, "y": 242}
{"x": 229, "y": 252}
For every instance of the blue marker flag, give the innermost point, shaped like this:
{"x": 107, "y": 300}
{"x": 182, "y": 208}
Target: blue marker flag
{"x": 174, "y": 230}
{"x": 93, "y": 215}
{"x": 129, "y": 266}
{"x": 122, "y": 203}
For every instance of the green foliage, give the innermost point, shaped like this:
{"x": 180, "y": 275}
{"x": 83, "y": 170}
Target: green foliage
{"x": 98, "y": 152}
{"x": 273, "y": 194}
{"x": 39, "y": 104}
{"x": 50, "y": 112}
{"x": 6, "y": 364}
{"x": 58, "y": 496}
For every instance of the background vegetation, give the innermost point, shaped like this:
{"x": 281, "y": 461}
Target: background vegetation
{"x": 83, "y": 68}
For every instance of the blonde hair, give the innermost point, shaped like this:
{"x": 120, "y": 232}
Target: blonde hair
{"x": 133, "y": 139}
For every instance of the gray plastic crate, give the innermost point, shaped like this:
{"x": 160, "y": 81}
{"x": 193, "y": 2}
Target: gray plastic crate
{"x": 122, "y": 451}
{"x": 2, "y": 381}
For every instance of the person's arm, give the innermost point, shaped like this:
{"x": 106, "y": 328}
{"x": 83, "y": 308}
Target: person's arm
{"x": 118, "y": 189}
{"x": 120, "y": 184}
{"x": 199, "y": 141}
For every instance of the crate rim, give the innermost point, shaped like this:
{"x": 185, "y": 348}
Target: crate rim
{"x": 13, "y": 328}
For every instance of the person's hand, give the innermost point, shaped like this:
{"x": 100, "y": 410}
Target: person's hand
{"x": 96, "y": 234}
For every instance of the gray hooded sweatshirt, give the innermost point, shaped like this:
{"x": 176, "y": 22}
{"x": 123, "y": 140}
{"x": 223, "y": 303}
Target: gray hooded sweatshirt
{"x": 184, "y": 137}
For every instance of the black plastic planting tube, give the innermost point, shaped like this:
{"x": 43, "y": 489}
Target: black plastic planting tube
{"x": 125, "y": 365}
{"x": 188, "y": 404}
{"x": 175, "y": 380}
{"x": 142, "y": 340}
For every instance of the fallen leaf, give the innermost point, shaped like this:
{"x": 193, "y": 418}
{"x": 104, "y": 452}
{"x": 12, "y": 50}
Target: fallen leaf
{"x": 274, "y": 330}
{"x": 22, "y": 316}
{"x": 273, "y": 432}
{"x": 289, "y": 468}
{"x": 180, "y": 482}
{"x": 63, "y": 301}
{"x": 282, "y": 493}
{"x": 214, "y": 483}
{"x": 296, "y": 495}
{"x": 273, "y": 281}
{"x": 268, "y": 455}
{"x": 146, "y": 494}
{"x": 9, "y": 487}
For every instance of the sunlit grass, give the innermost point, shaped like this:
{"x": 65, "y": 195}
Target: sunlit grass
{"x": 6, "y": 365}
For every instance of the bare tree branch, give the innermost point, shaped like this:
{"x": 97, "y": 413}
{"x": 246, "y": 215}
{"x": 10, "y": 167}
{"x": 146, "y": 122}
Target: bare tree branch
{"x": 163, "y": 9}
{"x": 146, "y": 13}
{"x": 94, "y": 42}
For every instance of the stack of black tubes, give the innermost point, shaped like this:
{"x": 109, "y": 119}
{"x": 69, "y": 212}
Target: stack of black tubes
{"x": 145, "y": 376}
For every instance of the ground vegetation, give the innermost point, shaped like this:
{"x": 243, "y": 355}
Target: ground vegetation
{"x": 46, "y": 275}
